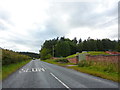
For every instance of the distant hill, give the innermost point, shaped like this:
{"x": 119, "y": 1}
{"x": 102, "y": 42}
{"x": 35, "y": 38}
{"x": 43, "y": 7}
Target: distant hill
{"x": 31, "y": 54}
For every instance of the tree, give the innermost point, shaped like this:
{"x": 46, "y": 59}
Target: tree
{"x": 75, "y": 40}
{"x": 99, "y": 45}
{"x": 85, "y": 45}
{"x": 80, "y": 47}
{"x": 45, "y": 54}
{"x": 80, "y": 40}
{"x": 62, "y": 49}
{"x": 64, "y": 46}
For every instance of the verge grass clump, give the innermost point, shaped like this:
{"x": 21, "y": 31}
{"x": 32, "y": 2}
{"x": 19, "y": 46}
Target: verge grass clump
{"x": 109, "y": 67}
{"x": 62, "y": 60}
{"x": 9, "y": 69}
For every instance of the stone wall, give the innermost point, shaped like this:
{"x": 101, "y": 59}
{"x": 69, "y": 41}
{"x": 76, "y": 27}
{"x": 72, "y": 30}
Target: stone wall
{"x": 107, "y": 58}
{"x": 73, "y": 60}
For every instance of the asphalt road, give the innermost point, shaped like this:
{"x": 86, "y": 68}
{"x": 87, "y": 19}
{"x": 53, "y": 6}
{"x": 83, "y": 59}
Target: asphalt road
{"x": 38, "y": 74}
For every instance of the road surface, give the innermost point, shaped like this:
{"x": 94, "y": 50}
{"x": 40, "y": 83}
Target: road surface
{"x": 39, "y": 74}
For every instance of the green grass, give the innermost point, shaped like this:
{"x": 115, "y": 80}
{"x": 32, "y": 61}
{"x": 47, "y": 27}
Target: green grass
{"x": 90, "y": 53}
{"x": 107, "y": 70}
{"x": 9, "y": 69}
{"x": 52, "y": 61}
{"x": 97, "y": 53}
{"x": 72, "y": 55}
{"x": 92, "y": 71}
{"x": 97, "y": 69}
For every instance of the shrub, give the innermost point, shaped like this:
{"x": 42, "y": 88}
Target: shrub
{"x": 48, "y": 56}
{"x": 62, "y": 60}
{"x": 9, "y": 57}
{"x": 84, "y": 63}
{"x": 99, "y": 65}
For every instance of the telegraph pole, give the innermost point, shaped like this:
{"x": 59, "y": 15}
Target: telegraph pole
{"x": 53, "y": 50}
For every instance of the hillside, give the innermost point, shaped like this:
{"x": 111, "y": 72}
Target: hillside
{"x": 31, "y": 54}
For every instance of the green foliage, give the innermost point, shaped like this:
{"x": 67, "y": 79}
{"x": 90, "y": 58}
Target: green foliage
{"x": 62, "y": 60}
{"x": 89, "y": 69}
{"x": 90, "y": 53}
{"x": 53, "y": 61}
{"x": 97, "y": 53}
{"x": 64, "y": 46}
{"x": 97, "y": 72}
{"x": 8, "y": 69}
{"x": 9, "y": 57}
{"x": 48, "y": 56}
{"x": 99, "y": 65}
{"x": 45, "y": 54}
{"x": 33, "y": 55}
{"x": 62, "y": 49}
{"x": 73, "y": 55}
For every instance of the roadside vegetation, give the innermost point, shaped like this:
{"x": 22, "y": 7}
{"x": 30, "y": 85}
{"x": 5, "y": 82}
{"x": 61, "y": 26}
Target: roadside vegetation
{"x": 11, "y": 61}
{"x": 30, "y": 54}
{"x": 60, "y": 62}
{"x": 9, "y": 69}
{"x": 90, "y": 53}
{"x": 63, "y": 47}
{"x": 107, "y": 70}
{"x": 11, "y": 57}
{"x": 104, "y": 70}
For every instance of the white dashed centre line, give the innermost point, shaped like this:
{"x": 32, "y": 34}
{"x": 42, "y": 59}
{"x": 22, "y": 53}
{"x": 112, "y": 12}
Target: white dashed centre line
{"x": 60, "y": 81}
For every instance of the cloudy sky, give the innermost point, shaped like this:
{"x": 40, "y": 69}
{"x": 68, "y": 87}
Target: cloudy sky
{"x": 26, "y": 24}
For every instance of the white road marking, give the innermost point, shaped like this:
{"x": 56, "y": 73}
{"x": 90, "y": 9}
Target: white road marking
{"x": 43, "y": 69}
{"x": 32, "y": 70}
{"x": 39, "y": 69}
{"x": 60, "y": 81}
{"x": 26, "y": 70}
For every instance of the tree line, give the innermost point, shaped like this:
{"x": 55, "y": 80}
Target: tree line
{"x": 62, "y": 47}
{"x": 31, "y": 54}
{"x": 10, "y": 57}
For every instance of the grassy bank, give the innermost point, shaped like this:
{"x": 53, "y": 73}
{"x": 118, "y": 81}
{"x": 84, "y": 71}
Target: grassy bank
{"x": 9, "y": 69}
{"x": 110, "y": 76}
{"x": 90, "y": 53}
{"x": 52, "y": 61}
{"x": 103, "y": 70}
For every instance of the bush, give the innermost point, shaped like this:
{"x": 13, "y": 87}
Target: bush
{"x": 48, "y": 56}
{"x": 84, "y": 63}
{"x": 62, "y": 60}
{"x": 10, "y": 57}
{"x": 99, "y": 65}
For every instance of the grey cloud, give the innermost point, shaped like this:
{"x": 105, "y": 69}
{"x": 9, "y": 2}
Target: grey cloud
{"x": 83, "y": 14}
{"x": 5, "y": 16}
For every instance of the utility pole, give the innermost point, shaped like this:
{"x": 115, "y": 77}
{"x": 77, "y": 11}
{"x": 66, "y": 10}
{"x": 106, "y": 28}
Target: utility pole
{"x": 53, "y": 50}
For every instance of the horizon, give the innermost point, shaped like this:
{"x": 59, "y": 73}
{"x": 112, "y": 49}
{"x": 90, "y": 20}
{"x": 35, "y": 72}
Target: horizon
{"x": 55, "y": 38}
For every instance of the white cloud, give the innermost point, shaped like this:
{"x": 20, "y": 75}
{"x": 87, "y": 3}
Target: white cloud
{"x": 25, "y": 24}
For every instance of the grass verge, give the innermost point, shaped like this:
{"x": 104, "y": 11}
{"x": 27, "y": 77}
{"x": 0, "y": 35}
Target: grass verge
{"x": 52, "y": 61}
{"x": 9, "y": 69}
{"x": 89, "y": 70}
